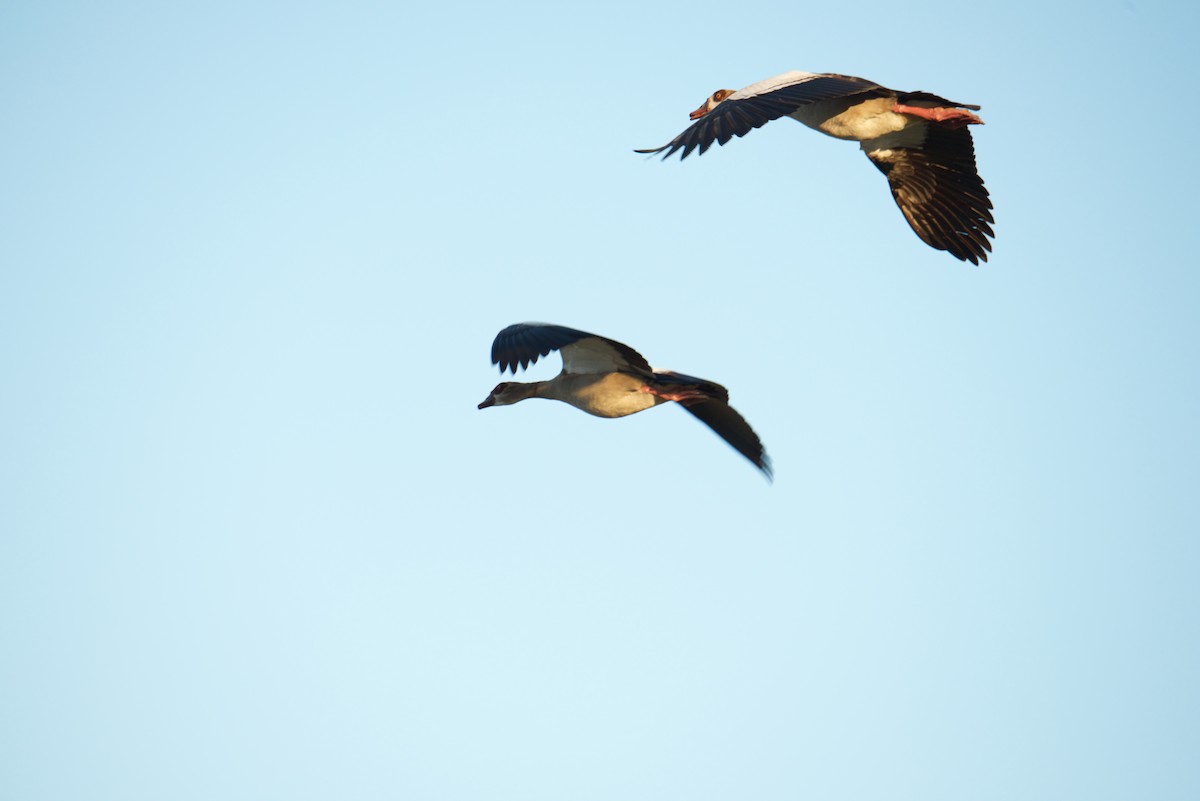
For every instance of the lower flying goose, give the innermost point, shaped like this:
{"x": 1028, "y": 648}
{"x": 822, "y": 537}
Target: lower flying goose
{"x": 918, "y": 140}
{"x": 608, "y": 379}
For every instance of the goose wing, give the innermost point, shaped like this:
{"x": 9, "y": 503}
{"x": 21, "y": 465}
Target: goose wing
{"x": 938, "y": 188}
{"x": 723, "y": 419}
{"x": 758, "y": 104}
{"x": 524, "y": 343}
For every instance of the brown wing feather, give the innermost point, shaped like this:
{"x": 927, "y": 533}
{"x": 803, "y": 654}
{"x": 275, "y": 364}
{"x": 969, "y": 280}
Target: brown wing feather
{"x": 939, "y": 190}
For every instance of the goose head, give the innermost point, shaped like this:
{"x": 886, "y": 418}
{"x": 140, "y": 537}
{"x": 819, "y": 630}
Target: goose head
{"x": 507, "y": 393}
{"x": 711, "y": 103}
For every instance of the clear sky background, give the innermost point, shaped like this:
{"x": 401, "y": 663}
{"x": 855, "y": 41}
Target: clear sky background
{"x": 257, "y": 541}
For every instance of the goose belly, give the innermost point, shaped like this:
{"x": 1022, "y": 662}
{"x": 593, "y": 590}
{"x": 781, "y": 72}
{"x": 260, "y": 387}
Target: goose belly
{"x": 614, "y": 395}
{"x": 852, "y": 118}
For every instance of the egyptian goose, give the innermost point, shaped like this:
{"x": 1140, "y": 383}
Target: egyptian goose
{"x": 608, "y": 379}
{"x": 918, "y": 140}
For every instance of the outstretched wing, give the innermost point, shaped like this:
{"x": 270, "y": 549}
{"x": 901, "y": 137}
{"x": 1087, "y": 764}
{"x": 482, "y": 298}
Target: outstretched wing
{"x": 717, "y": 414}
{"x": 524, "y": 343}
{"x": 733, "y": 428}
{"x": 938, "y": 188}
{"x": 758, "y": 104}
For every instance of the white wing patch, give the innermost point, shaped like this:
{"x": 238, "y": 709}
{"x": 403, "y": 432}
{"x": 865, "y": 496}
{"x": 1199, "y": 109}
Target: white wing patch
{"x": 789, "y": 78}
{"x": 912, "y": 135}
{"x": 591, "y": 355}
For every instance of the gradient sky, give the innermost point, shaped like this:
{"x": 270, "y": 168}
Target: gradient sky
{"x": 257, "y": 542}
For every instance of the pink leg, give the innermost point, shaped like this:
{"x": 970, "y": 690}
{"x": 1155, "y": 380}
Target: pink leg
{"x": 684, "y": 396}
{"x": 950, "y": 117}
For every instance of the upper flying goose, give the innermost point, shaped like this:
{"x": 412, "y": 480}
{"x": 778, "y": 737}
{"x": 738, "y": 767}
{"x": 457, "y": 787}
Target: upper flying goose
{"x": 918, "y": 140}
{"x": 608, "y": 379}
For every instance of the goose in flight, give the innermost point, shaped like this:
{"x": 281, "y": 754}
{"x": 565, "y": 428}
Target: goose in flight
{"x": 609, "y": 379}
{"x": 918, "y": 140}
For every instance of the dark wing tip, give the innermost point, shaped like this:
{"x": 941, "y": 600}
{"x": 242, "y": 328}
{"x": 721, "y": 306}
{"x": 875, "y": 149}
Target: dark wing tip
{"x": 729, "y": 425}
{"x": 523, "y": 344}
{"x": 764, "y": 465}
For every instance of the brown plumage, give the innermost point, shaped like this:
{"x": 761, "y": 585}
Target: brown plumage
{"x": 919, "y": 140}
{"x": 607, "y": 378}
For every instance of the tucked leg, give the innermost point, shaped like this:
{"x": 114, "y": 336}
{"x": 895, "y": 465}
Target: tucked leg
{"x": 684, "y": 396}
{"x": 950, "y": 117}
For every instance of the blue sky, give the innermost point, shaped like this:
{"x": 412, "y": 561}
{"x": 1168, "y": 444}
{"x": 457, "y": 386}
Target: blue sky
{"x": 259, "y": 543}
